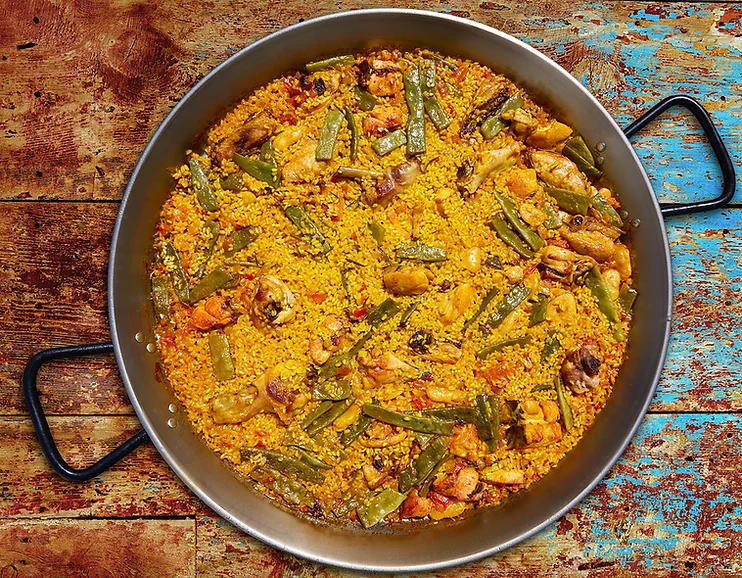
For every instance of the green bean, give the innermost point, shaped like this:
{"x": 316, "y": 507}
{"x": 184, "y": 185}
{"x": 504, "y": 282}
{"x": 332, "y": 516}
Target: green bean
{"x": 261, "y": 170}
{"x": 210, "y": 283}
{"x": 485, "y": 352}
{"x": 284, "y": 464}
{"x": 298, "y": 215}
{"x": 329, "y": 134}
{"x": 178, "y": 276}
{"x": 380, "y": 506}
{"x": 268, "y": 156}
{"x": 416, "y": 118}
{"x": 160, "y": 288}
{"x": 202, "y": 188}
{"x": 425, "y": 486}
{"x": 541, "y": 387}
{"x": 331, "y": 366}
{"x": 366, "y": 100}
{"x": 338, "y": 408}
{"x": 423, "y": 466}
{"x": 493, "y": 261}
{"x": 377, "y": 231}
{"x": 563, "y": 405}
{"x": 511, "y": 214}
{"x": 332, "y": 62}
{"x": 408, "y": 313}
{"x": 508, "y": 237}
{"x": 240, "y": 238}
{"x": 604, "y": 208}
{"x": 595, "y": 282}
{"x": 491, "y": 294}
{"x": 493, "y": 402}
{"x": 416, "y": 423}
{"x": 423, "y": 439}
{"x": 291, "y": 491}
{"x": 242, "y": 263}
{"x": 483, "y": 422}
{"x": 316, "y": 413}
{"x": 335, "y": 390}
{"x": 493, "y": 124}
{"x": 426, "y": 253}
{"x": 433, "y": 107}
{"x": 353, "y": 128}
{"x": 552, "y": 218}
{"x": 551, "y": 346}
{"x": 575, "y": 203}
{"x": 383, "y": 312}
{"x": 221, "y": 358}
{"x": 346, "y": 508}
{"x": 354, "y": 431}
{"x": 509, "y": 411}
{"x": 357, "y": 173}
{"x": 233, "y": 182}
{"x": 389, "y": 142}
{"x": 538, "y": 313}
{"x": 626, "y": 297}
{"x": 576, "y": 150}
{"x": 213, "y": 229}
{"x": 461, "y": 414}
{"x": 310, "y": 459}
{"x": 509, "y": 303}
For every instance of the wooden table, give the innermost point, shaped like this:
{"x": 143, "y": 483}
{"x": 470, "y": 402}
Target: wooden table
{"x": 82, "y": 88}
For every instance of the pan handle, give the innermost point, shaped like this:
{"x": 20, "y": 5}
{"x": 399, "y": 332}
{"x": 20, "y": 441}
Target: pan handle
{"x": 48, "y": 446}
{"x": 714, "y": 139}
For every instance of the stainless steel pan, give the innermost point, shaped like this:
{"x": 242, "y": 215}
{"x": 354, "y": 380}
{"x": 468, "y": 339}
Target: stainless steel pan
{"x": 128, "y": 297}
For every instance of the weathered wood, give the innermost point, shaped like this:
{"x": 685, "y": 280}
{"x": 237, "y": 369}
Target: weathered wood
{"x": 86, "y": 87}
{"x": 671, "y": 505}
{"x": 97, "y": 548}
{"x": 54, "y": 279}
{"x": 140, "y": 485}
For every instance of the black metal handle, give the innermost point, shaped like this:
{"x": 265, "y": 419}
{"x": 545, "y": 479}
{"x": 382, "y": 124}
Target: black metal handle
{"x": 42, "y": 426}
{"x": 720, "y": 150}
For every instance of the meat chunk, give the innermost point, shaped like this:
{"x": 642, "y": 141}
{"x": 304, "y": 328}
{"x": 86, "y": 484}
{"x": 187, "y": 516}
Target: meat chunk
{"x": 415, "y": 506}
{"x": 381, "y": 77}
{"x": 406, "y": 281}
{"x": 394, "y": 181}
{"x": 382, "y": 120}
{"x": 460, "y": 482}
{"x": 214, "y": 312}
{"x": 557, "y": 171}
{"x": 581, "y": 369}
{"x": 250, "y": 135}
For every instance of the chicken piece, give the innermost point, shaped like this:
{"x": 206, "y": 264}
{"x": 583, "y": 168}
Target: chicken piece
{"x": 465, "y": 443}
{"x": 443, "y": 352}
{"x": 564, "y": 265}
{"x": 382, "y": 120}
{"x": 472, "y": 259}
{"x": 406, "y": 281}
{"x": 549, "y": 136}
{"x": 562, "y": 306}
{"x": 522, "y": 122}
{"x": 557, "y": 171}
{"x": 288, "y": 137}
{"x": 490, "y": 162}
{"x": 456, "y": 302}
{"x": 381, "y": 77}
{"x": 622, "y": 261}
{"x": 539, "y": 421}
{"x": 588, "y": 223}
{"x": 521, "y": 182}
{"x": 323, "y": 345}
{"x": 459, "y": 481}
{"x": 440, "y": 201}
{"x": 415, "y": 506}
{"x": 386, "y": 368}
{"x": 382, "y": 435}
{"x": 270, "y": 394}
{"x": 442, "y": 394}
{"x": 394, "y": 181}
{"x": 302, "y": 166}
{"x": 495, "y": 475}
{"x": 581, "y": 369}
{"x": 273, "y": 302}
{"x": 250, "y": 135}
{"x": 531, "y": 214}
{"x": 214, "y": 312}
{"x": 591, "y": 243}
{"x": 375, "y": 473}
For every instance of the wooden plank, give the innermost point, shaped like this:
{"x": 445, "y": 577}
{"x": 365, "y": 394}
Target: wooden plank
{"x": 80, "y": 104}
{"x": 54, "y": 280}
{"x": 670, "y": 507}
{"x": 140, "y": 485}
{"x": 97, "y": 548}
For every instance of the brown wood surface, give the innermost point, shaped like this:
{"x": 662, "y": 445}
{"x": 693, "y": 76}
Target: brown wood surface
{"x": 83, "y": 85}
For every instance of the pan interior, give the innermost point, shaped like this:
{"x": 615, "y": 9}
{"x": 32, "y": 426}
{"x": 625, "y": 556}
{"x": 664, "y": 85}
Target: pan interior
{"x": 434, "y": 546}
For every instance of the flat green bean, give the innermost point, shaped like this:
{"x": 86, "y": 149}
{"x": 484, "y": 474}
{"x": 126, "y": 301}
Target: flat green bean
{"x": 284, "y": 464}
{"x": 595, "y": 282}
{"x": 626, "y": 297}
{"x": 260, "y": 170}
{"x": 329, "y": 134}
{"x": 338, "y": 408}
{"x": 202, "y": 187}
{"x": 380, "y": 506}
{"x": 210, "y": 283}
{"x": 493, "y": 125}
{"x": 316, "y": 413}
{"x": 354, "y": 431}
{"x": 309, "y": 231}
{"x": 551, "y": 346}
{"x": 538, "y": 313}
{"x": 333, "y": 389}
{"x": 423, "y": 466}
{"x": 426, "y": 253}
{"x": 416, "y": 423}
{"x": 389, "y": 142}
{"x": 383, "y": 312}
{"x": 485, "y": 352}
{"x": 366, "y": 100}
{"x": 511, "y": 214}
{"x": 416, "y": 120}
{"x": 213, "y": 229}
{"x": 576, "y": 150}
{"x": 241, "y": 238}
{"x": 575, "y": 203}
{"x": 606, "y": 210}
{"x": 508, "y": 304}
{"x": 160, "y": 296}
{"x": 291, "y": 491}
{"x": 508, "y": 237}
{"x": 178, "y": 276}
{"x": 353, "y": 128}
{"x": 341, "y": 61}
{"x": 221, "y": 358}
{"x": 491, "y": 294}
{"x": 563, "y": 404}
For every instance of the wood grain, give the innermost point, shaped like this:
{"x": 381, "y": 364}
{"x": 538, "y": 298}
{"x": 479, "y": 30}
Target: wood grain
{"x": 97, "y": 548}
{"x": 55, "y": 295}
{"x": 88, "y": 84}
